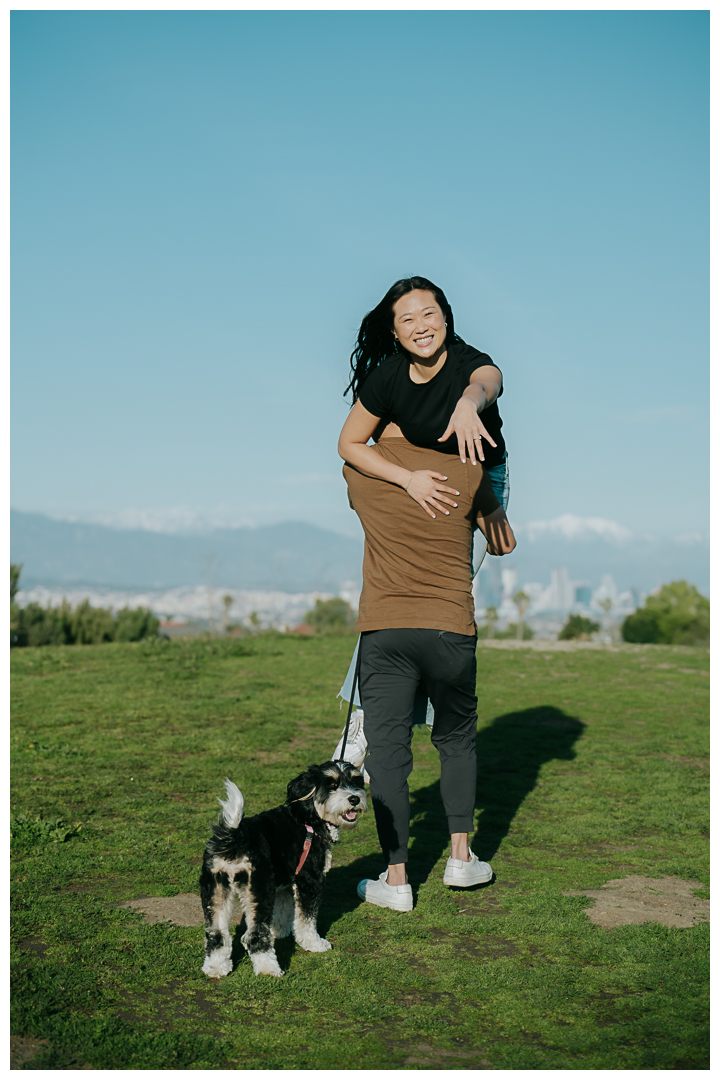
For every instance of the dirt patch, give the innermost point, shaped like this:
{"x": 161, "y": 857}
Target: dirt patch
{"x": 32, "y": 945}
{"x": 97, "y": 885}
{"x": 182, "y": 910}
{"x": 635, "y": 899}
{"x": 434, "y": 1056}
{"x": 23, "y": 1051}
{"x": 694, "y": 762}
{"x": 171, "y": 1008}
{"x": 481, "y": 901}
{"x": 486, "y": 947}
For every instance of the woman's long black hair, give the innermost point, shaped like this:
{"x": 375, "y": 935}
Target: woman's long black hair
{"x": 375, "y": 340}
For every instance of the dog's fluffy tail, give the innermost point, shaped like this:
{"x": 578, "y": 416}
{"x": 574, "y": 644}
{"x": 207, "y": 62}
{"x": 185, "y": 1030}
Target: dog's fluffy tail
{"x": 232, "y": 810}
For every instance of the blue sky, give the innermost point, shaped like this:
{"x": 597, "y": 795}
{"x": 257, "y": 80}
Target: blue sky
{"x": 206, "y": 204}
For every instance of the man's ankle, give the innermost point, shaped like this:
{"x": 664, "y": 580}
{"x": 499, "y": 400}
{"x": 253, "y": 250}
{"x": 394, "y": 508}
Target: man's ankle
{"x": 459, "y": 847}
{"x": 396, "y": 875}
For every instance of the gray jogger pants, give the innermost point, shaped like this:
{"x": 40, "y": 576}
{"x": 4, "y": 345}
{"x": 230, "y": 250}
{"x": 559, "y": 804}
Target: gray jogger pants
{"x": 393, "y": 664}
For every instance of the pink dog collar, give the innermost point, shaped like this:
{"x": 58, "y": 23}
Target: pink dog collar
{"x": 306, "y": 849}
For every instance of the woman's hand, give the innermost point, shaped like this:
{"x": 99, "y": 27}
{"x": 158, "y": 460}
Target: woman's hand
{"x": 470, "y": 430}
{"x": 424, "y": 488}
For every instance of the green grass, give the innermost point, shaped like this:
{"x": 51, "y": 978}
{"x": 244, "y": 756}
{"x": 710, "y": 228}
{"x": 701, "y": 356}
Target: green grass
{"x": 592, "y": 766}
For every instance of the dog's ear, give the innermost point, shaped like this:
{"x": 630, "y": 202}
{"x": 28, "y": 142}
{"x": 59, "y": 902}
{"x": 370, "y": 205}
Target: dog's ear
{"x": 302, "y": 787}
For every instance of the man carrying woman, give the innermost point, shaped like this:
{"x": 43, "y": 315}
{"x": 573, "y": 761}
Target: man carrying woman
{"x": 416, "y": 612}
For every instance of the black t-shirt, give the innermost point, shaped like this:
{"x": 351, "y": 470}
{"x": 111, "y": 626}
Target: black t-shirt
{"x": 422, "y": 411}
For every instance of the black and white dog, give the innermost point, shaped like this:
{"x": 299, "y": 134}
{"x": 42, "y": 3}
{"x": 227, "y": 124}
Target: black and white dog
{"x": 274, "y": 864}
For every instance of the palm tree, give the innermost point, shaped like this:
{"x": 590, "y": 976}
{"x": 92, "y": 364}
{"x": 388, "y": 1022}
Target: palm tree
{"x": 227, "y": 604}
{"x": 521, "y": 600}
{"x": 607, "y": 605}
{"x": 491, "y": 615}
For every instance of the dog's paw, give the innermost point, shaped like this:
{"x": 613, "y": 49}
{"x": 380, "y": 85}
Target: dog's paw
{"x": 265, "y": 963}
{"x": 316, "y": 944}
{"x": 217, "y": 966}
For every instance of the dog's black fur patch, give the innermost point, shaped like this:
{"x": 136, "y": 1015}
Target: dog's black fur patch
{"x": 254, "y": 862}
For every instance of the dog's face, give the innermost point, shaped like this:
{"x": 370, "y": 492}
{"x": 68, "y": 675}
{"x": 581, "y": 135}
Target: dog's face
{"x": 336, "y": 790}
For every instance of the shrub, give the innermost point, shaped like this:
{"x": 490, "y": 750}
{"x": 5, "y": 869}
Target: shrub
{"x": 15, "y": 569}
{"x": 578, "y": 628}
{"x": 134, "y": 624}
{"x": 331, "y": 617}
{"x": 491, "y": 616}
{"x": 84, "y": 625}
{"x": 511, "y": 631}
{"x": 37, "y": 625}
{"x": 27, "y": 832}
{"x": 677, "y": 615}
{"x": 91, "y": 626}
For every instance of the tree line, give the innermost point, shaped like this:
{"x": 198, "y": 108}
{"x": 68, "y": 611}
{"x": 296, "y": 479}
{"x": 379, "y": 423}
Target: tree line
{"x": 676, "y": 615}
{"x": 34, "y": 624}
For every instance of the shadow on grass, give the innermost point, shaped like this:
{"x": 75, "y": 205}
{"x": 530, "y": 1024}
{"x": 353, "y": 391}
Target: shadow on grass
{"x": 510, "y": 753}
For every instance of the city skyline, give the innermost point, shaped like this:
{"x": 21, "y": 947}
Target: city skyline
{"x": 217, "y": 607}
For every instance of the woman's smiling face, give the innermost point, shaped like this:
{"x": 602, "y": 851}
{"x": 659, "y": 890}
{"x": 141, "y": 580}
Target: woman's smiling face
{"x": 419, "y": 323}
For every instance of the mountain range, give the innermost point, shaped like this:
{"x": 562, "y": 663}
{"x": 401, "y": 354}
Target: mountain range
{"x": 292, "y": 557}
{"x": 299, "y": 557}
{"x": 591, "y": 547}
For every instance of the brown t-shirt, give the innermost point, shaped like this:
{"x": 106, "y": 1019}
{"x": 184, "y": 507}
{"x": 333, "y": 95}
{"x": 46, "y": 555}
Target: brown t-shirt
{"x": 417, "y": 570}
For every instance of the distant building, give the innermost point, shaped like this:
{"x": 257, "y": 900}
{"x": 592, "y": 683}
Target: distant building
{"x": 583, "y": 595}
{"x": 487, "y": 586}
{"x": 507, "y": 608}
{"x": 562, "y": 590}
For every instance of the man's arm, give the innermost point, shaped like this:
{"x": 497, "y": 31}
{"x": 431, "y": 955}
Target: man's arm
{"x": 483, "y": 390}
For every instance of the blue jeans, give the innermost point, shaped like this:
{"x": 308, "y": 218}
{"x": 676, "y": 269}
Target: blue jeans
{"x": 500, "y": 480}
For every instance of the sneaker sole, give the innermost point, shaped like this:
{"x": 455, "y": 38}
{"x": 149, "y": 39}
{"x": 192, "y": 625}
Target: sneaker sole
{"x": 381, "y": 903}
{"x": 467, "y": 884}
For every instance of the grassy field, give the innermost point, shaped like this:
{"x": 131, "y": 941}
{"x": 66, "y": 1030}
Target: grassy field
{"x": 592, "y": 766}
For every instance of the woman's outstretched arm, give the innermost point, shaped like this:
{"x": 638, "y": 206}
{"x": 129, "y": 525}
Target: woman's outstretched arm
{"x": 483, "y": 389}
{"x": 423, "y": 485}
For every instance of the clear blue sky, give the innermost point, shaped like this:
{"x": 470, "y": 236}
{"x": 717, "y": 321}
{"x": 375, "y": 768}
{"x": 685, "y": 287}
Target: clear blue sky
{"x": 206, "y": 204}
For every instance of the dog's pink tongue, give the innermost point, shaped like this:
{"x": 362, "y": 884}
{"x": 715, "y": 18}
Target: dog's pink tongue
{"x": 350, "y": 815}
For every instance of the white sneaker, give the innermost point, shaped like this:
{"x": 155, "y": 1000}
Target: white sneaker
{"x": 398, "y": 897}
{"x": 356, "y": 746}
{"x": 463, "y": 874}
